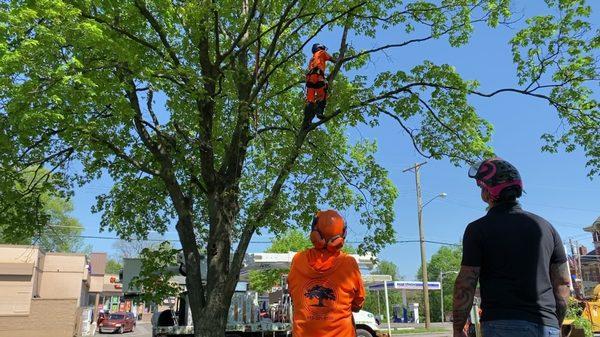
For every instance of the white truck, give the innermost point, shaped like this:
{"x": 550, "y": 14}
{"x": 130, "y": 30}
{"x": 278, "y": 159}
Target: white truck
{"x": 246, "y": 318}
{"x": 245, "y": 321}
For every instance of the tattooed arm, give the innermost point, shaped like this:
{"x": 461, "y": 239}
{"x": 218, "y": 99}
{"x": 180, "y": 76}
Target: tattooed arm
{"x": 464, "y": 291}
{"x": 559, "y": 275}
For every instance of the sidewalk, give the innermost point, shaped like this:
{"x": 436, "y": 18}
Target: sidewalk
{"x": 407, "y": 327}
{"x": 433, "y": 334}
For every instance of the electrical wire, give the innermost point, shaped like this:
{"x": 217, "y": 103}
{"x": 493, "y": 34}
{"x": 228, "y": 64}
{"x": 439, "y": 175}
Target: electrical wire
{"x": 97, "y": 237}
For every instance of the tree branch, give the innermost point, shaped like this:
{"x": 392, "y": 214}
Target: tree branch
{"x": 408, "y": 131}
{"x": 127, "y": 34}
{"x": 408, "y": 42}
{"x": 268, "y": 74}
{"x": 240, "y": 36}
{"x": 140, "y": 4}
{"x": 270, "y": 200}
{"x": 121, "y": 154}
{"x": 183, "y": 205}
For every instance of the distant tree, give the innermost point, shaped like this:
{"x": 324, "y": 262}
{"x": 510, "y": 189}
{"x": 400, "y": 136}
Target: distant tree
{"x": 447, "y": 260}
{"x": 375, "y": 301}
{"x": 133, "y": 248}
{"x": 113, "y": 266}
{"x": 321, "y": 293}
{"x": 35, "y": 212}
{"x": 387, "y": 268}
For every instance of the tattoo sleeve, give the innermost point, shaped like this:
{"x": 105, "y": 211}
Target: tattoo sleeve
{"x": 464, "y": 291}
{"x": 559, "y": 275}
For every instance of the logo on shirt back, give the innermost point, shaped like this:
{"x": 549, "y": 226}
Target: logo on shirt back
{"x": 319, "y": 299}
{"x": 321, "y": 293}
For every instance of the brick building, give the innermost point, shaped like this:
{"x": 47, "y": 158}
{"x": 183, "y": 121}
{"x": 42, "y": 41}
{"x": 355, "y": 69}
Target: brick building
{"x": 48, "y": 294}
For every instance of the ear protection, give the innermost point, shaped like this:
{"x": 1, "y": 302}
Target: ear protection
{"x": 333, "y": 244}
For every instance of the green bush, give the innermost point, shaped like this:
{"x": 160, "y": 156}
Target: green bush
{"x": 574, "y": 311}
{"x": 585, "y": 325}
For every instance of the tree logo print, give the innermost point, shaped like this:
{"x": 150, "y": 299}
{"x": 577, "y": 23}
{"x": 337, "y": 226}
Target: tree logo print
{"x": 321, "y": 293}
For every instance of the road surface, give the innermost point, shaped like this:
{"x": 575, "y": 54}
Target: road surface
{"x": 144, "y": 329}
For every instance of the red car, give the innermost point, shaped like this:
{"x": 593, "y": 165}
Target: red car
{"x": 118, "y": 322}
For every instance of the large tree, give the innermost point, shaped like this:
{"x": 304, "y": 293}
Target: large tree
{"x": 195, "y": 109}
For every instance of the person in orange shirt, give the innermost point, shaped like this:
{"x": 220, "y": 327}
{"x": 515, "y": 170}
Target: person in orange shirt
{"x": 316, "y": 83}
{"x": 325, "y": 283}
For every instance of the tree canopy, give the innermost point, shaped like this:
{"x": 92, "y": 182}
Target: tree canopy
{"x": 387, "y": 268}
{"x": 195, "y": 110}
{"x": 113, "y": 266}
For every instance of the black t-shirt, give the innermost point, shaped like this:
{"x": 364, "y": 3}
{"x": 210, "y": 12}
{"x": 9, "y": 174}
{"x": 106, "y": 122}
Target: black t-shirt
{"x": 514, "y": 249}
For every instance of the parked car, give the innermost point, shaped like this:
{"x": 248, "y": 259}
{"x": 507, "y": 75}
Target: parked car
{"x": 118, "y": 322}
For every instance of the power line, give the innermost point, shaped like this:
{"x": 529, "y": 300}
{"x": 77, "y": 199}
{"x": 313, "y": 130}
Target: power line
{"x": 97, "y": 237}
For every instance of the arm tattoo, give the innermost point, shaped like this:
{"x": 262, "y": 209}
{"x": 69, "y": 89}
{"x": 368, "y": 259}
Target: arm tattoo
{"x": 559, "y": 275}
{"x": 464, "y": 291}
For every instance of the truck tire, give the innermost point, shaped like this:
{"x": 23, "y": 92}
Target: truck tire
{"x": 363, "y": 333}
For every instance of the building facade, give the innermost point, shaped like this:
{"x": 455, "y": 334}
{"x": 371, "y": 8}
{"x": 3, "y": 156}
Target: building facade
{"x": 49, "y": 294}
{"x": 40, "y": 292}
{"x": 590, "y": 260}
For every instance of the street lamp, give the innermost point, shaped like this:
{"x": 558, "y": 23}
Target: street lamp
{"x": 442, "y": 273}
{"x": 423, "y": 255}
{"x": 441, "y": 195}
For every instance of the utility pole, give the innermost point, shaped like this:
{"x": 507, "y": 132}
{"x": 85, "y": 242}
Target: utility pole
{"x": 442, "y": 294}
{"x": 573, "y": 280}
{"x": 416, "y": 168}
{"x": 580, "y": 270}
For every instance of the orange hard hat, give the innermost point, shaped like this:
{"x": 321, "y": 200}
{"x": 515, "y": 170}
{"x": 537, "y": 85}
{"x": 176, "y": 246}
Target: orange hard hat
{"x": 328, "y": 230}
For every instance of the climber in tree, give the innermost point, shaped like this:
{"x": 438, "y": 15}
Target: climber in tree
{"x": 316, "y": 82}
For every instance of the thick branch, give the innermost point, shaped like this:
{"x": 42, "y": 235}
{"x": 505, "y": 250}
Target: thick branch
{"x": 270, "y": 200}
{"x": 342, "y": 52}
{"x": 183, "y": 205}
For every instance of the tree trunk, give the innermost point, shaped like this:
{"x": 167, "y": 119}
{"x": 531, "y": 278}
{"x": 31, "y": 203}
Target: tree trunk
{"x": 211, "y": 321}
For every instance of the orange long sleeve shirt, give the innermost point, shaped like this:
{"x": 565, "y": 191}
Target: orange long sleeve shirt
{"x": 325, "y": 287}
{"x": 319, "y": 60}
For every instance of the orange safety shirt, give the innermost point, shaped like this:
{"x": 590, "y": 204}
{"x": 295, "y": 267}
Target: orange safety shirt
{"x": 325, "y": 288}
{"x": 319, "y": 60}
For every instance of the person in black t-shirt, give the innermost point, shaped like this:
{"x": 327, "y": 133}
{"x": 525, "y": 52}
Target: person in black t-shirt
{"x": 518, "y": 259}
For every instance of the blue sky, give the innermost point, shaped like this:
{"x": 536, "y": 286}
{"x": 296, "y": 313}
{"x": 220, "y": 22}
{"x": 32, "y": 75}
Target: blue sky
{"x": 556, "y": 185}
